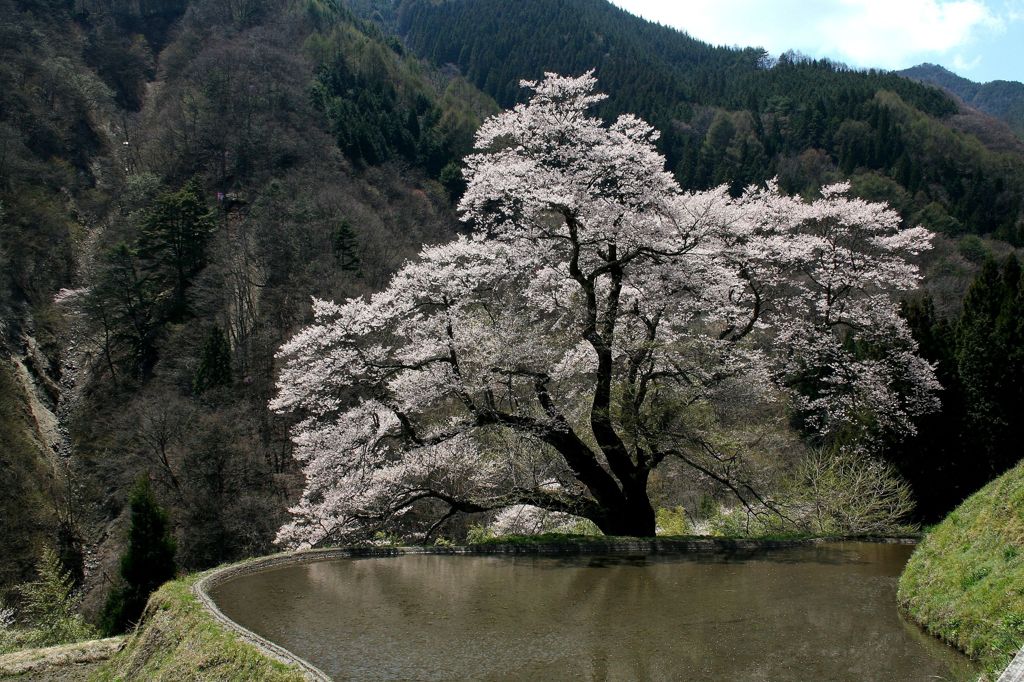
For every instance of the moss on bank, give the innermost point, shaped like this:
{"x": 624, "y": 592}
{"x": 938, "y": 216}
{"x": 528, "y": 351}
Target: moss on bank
{"x": 179, "y": 640}
{"x": 965, "y": 581}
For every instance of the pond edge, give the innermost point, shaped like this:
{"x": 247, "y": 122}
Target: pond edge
{"x": 210, "y": 580}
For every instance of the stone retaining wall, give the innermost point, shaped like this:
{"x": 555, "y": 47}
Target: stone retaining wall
{"x": 1015, "y": 671}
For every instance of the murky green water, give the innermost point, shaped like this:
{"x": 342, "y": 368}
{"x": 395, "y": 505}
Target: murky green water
{"x": 808, "y": 613}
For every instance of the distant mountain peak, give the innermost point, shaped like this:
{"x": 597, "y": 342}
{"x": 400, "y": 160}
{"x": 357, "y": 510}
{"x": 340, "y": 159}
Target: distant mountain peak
{"x": 1001, "y": 99}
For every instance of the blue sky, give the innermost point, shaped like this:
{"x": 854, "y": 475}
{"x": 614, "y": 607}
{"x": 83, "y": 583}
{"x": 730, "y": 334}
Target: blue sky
{"x": 979, "y": 39}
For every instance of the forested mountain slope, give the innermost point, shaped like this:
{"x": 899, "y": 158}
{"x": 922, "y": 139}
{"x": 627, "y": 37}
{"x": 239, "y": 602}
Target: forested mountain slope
{"x": 735, "y": 115}
{"x": 54, "y": 111}
{"x": 1002, "y": 99}
{"x": 177, "y": 180}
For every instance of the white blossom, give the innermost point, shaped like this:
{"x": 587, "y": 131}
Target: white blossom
{"x": 592, "y": 297}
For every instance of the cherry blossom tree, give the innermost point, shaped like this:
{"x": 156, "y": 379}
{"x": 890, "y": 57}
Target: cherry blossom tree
{"x": 554, "y": 357}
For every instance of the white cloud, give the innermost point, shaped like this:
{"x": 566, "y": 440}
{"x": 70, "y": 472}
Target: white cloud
{"x": 1013, "y": 10}
{"x": 962, "y": 64}
{"x": 891, "y": 33}
{"x": 882, "y": 33}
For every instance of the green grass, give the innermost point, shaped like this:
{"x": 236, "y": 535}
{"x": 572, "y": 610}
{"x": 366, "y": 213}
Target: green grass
{"x": 965, "y": 581}
{"x": 178, "y": 640}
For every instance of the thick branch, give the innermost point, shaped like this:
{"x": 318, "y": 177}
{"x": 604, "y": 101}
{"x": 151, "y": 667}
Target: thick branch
{"x": 602, "y": 341}
{"x": 577, "y": 454}
{"x": 600, "y": 412}
{"x": 536, "y": 498}
{"x": 734, "y": 486}
{"x": 732, "y": 334}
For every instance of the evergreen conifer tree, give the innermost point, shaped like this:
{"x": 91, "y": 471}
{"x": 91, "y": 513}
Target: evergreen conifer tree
{"x": 146, "y": 564}
{"x": 979, "y": 361}
{"x": 173, "y": 241}
{"x": 346, "y": 247}
{"x": 214, "y": 363}
{"x": 981, "y": 356}
{"x": 49, "y": 605}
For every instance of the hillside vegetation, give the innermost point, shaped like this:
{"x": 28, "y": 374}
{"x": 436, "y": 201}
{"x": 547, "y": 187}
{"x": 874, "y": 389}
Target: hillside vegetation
{"x": 179, "y": 640}
{"x": 27, "y": 472}
{"x": 1002, "y": 99}
{"x": 190, "y": 174}
{"x": 965, "y": 581}
{"x": 733, "y": 115}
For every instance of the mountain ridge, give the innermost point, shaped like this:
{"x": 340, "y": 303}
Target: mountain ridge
{"x": 734, "y": 115}
{"x": 1003, "y": 99}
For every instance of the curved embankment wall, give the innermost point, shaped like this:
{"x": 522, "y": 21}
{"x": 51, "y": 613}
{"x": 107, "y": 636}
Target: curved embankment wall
{"x": 965, "y": 581}
{"x": 184, "y": 635}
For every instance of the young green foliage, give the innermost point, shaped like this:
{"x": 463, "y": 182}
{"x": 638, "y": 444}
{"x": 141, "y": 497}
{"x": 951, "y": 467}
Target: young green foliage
{"x": 49, "y": 606}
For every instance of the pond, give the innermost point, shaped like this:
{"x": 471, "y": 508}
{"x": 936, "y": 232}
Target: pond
{"x": 824, "y": 612}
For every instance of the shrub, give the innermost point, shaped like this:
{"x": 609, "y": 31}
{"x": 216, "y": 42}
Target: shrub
{"x": 48, "y": 611}
{"x": 478, "y": 534}
{"x": 850, "y": 493}
{"x": 671, "y": 521}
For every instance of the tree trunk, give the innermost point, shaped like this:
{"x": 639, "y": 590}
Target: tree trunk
{"x": 634, "y": 517}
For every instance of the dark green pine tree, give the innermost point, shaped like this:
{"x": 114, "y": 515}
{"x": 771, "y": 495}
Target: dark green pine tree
{"x": 939, "y": 468}
{"x": 989, "y": 361}
{"x": 173, "y": 243}
{"x": 978, "y": 355}
{"x": 346, "y": 247}
{"x": 147, "y": 563}
{"x": 979, "y": 361}
{"x": 452, "y": 180}
{"x": 123, "y": 299}
{"x": 1009, "y": 329}
{"x": 214, "y": 362}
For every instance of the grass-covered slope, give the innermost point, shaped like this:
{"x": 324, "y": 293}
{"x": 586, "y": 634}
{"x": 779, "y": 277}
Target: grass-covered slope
{"x": 965, "y": 581}
{"x": 179, "y": 640}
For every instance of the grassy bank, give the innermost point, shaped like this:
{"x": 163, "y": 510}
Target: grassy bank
{"x": 965, "y": 581}
{"x": 178, "y": 640}
{"x": 66, "y": 662}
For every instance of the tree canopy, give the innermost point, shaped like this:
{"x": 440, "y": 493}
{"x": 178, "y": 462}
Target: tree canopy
{"x": 548, "y": 359}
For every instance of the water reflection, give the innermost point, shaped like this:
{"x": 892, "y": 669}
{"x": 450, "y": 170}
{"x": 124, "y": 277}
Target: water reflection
{"x": 820, "y": 612}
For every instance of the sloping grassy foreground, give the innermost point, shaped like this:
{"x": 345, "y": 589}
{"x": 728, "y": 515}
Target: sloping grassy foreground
{"x": 965, "y": 581}
{"x": 65, "y": 662}
{"x": 178, "y": 640}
